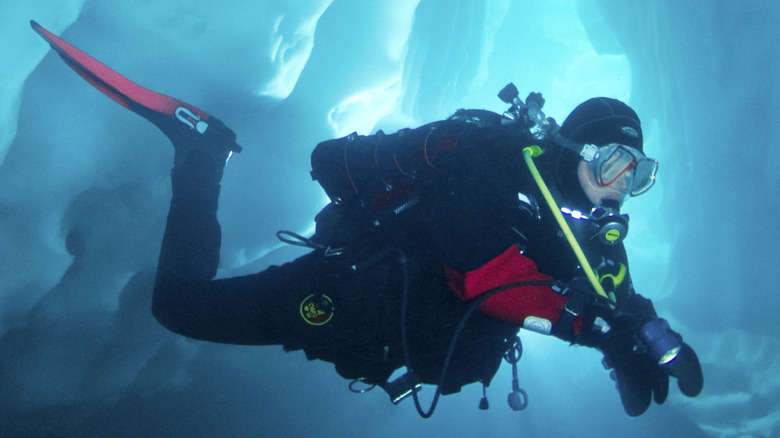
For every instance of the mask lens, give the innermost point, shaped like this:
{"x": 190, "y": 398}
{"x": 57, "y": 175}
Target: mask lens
{"x": 616, "y": 161}
{"x": 645, "y": 176}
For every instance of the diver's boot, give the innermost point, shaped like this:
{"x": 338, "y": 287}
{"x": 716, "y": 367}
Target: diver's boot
{"x": 189, "y": 133}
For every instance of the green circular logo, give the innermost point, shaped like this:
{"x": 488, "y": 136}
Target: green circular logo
{"x": 317, "y": 309}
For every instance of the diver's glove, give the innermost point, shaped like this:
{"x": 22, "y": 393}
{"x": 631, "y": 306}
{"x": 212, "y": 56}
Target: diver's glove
{"x": 643, "y": 352}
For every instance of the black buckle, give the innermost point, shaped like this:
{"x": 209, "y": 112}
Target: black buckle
{"x": 403, "y": 387}
{"x": 564, "y": 329}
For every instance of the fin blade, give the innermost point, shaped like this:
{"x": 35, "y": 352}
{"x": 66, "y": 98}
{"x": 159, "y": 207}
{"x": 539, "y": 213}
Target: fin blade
{"x": 109, "y": 82}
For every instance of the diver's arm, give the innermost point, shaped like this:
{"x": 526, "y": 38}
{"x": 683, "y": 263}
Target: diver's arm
{"x": 640, "y": 348}
{"x": 573, "y": 312}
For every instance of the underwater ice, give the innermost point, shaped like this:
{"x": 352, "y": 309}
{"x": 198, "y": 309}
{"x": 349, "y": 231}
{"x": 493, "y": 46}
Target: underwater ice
{"x": 84, "y": 190}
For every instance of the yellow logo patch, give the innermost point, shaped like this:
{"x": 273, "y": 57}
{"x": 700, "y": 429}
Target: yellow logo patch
{"x": 317, "y": 309}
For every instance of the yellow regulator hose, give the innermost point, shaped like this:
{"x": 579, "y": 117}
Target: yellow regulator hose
{"x": 534, "y": 151}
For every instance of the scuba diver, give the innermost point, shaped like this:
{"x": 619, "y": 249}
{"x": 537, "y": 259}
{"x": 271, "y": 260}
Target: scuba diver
{"x": 439, "y": 244}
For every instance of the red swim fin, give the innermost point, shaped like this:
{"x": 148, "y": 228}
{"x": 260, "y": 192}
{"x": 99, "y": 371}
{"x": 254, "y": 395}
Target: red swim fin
{"x": 122, "y": 90}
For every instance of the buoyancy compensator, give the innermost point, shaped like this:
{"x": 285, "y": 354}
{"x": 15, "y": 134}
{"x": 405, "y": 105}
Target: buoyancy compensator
{"x": 372, "y": 180}
{"x": 370, "y": 177}
{"x": 378, "y": 169}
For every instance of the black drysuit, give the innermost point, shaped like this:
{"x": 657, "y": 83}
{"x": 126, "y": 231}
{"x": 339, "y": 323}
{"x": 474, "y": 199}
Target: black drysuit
{"x": 456, "y": 210}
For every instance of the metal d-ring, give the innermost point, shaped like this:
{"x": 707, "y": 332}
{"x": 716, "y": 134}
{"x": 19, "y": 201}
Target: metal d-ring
{"x": 368, "y": 387}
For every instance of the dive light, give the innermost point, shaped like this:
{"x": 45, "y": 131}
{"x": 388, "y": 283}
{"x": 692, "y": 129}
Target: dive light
{"x": 662, "y": 345}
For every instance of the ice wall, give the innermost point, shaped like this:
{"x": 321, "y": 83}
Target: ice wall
{"x": 84, "y": 190}
{"x": 707, "y": 71}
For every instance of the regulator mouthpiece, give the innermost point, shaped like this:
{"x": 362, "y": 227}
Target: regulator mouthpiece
{"x": 607, "y": 224}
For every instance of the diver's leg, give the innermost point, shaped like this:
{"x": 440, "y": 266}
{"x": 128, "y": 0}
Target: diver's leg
{"x": 270, "y": 307}
{"x": 186, "y": 299}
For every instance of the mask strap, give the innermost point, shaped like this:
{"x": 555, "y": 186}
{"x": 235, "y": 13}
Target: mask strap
{"x": 588, "y": 152}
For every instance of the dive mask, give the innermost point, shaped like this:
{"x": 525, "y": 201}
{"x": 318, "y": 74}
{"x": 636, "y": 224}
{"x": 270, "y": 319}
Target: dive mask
{"x": 612, "y": 162}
